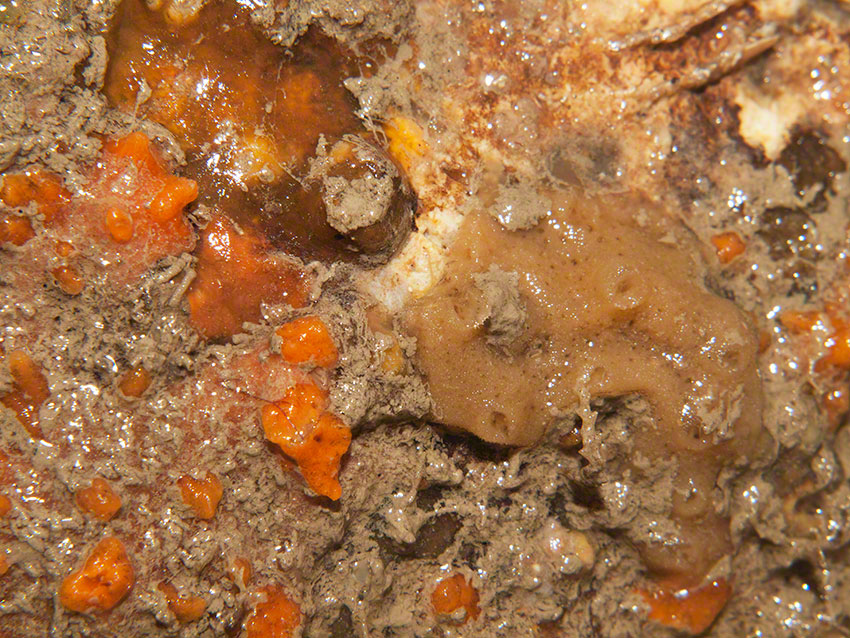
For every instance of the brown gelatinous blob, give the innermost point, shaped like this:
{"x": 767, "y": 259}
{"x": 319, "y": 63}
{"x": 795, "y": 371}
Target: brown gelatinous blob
{"x": 248, "y": 113}
{"x": 811, "y": 162}
{"x": 236, "y": 272}
{"x": 615, "y": 306}
{"x": 367, "y": 199}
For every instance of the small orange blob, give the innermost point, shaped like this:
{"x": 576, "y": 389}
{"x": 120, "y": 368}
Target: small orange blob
{"x": 307, "y": 340}
{"x": 15, "y": 229}
{"x": 728, "y": 246}
{"x": 454, "y": 593}
{"x": 5, "y": 505}
{"x": 320, "y": 455}
{"x": 64, "y": 248}
{"x": 185, "y": 608}
{"x": 28, "y": 376}
{"x": 119, "y": 224}
{"x": 203, "y": 495}
{"x": 69, "y": 280}
{"x": 99, "y": 500}
{"x": 135, "y": 381}
{"x": 801, "y": 321}
{"x": 174, "y": 196}
{"x": 240, "y": 572}
{"x": 393, "y": 359}
{"x": 30, "y": 392}
{"x": 838, "y": 353}
{"x": 276, "y": 617}
{"x": 691, "y": 610}
{"x": 104, "y": 580}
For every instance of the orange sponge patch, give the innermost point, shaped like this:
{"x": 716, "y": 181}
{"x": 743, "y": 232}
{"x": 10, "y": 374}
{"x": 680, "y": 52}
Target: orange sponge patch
{"x": 315, "y": 439}
{"x": 202, "y": 496}
{"x": 104, "y": 580}
{"x": 454, "y": 593}
{"x": 307, "y": 340}
{"x": 99, "y": 500}
{"x": 276, "y": 617}
{"x": 235, "y": 273}
{"x": 185, "y": 608}
{"x": 691, "y": 610}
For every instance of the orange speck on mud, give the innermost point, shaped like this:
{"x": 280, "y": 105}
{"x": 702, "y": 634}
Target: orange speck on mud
{"x": 836, "y": 402}
{"x": 307, "y": 340}
{"x": 134, "y": 382}
{"x": 728, "y": 246}
{"x": 690, "y": 610}
{"x": 235, "y": 273}
{"x": 119, "y": 223}
{"x": 838, "y": 348}
{"x": 15, "y": 229}
{"x": 99, "y": 500}
{"x": 801, "y": 321}
{"x": 103, "y": 581}
{"x": 274, "y": 617}
{"x": 315, "y": 439}
{"x": 240, "y": 572}
{"x": 69, "y": 280}
{"x": 454, "y": 593}
{"x": 31, "y": 390}
{"x": 5, "y": 505}
{"x": 185, "y": 608}
{"x": 202, "y": 495}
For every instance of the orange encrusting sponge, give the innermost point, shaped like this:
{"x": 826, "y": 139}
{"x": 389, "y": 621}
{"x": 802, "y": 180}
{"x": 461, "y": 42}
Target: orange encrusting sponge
{"x": 202, "y": 495}
{"x": 314, "y": 438}
{"x": 691, "y": 610}
{"x": 307, "y": 340}
{"x": 103, "y": 581}
{"x": 185, "y": 608}
{"x": 99, "y": 500}
{"x": 454, "y": 593}
{"x": 275, "y": 617}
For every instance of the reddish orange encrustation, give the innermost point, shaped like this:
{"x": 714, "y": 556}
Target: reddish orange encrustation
{"x": 316, "y": 439}
{"x": 102, "y": 582}
{"x": 454, "y": 593}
